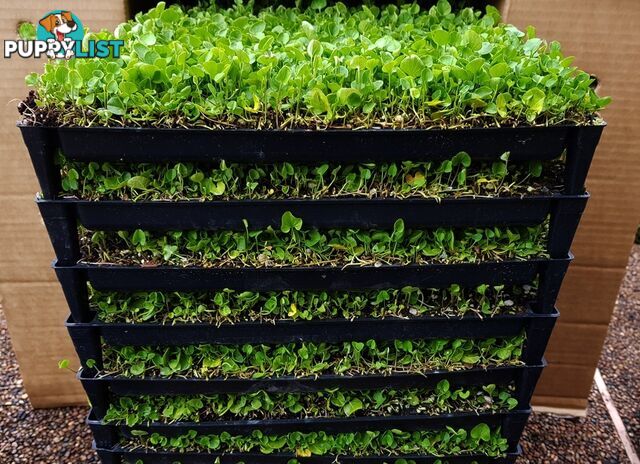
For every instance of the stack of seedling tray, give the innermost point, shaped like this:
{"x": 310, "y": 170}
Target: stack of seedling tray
{"x": 80, "y": 277}
{"x": 307, "y": 236}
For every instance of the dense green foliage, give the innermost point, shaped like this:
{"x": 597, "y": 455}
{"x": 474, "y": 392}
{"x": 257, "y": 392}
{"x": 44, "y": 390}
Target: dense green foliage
{"x": 310, "y": 359}
{"x": 294, "y": 246}
{"x": 297, "y": 460}
{"x": 329, "y": 403}
{"x": 391, "y": 66}
{"x": 481, "y": 439}
{"x": 457, "y": 177}
{"x": 229, "y": 306}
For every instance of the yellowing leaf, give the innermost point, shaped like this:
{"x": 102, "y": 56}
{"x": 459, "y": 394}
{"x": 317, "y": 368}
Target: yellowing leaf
{"x": 256, "y": 105}
{"x": 534, "y": 99}
{"x": 293, "y": 310}
{"x": 319, "y": 102}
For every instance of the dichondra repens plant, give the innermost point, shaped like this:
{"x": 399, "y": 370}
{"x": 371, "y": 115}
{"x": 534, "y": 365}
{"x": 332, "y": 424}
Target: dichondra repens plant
{"x": 229, "y": 306}
{"x": 337, "y": 66}
{"x": 444, "y": 398}
{"x": 310, "y": 359}
{"x": 481, "y": 439}
{"x": 316, "y": 67}
{"x": 456, "y": 177}
{"x": 292, "y": 245}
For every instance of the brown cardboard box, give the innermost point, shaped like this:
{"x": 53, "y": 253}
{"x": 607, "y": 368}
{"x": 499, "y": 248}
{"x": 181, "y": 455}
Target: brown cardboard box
{"x": 604, "y": 35}
{"x": 566, "y": 397}
{"x": 30, "y": 295}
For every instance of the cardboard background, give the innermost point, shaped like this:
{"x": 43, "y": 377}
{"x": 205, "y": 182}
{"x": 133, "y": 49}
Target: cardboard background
{"x": 29, "y": 292}
{"x": 603, "y": 34}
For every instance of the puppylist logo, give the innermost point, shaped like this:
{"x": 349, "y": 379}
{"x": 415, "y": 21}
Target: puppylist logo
{"x": 60, "y": 34}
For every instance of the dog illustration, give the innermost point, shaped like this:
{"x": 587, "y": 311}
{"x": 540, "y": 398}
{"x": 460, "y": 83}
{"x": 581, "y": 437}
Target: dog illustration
{"x": 60, "y": 24}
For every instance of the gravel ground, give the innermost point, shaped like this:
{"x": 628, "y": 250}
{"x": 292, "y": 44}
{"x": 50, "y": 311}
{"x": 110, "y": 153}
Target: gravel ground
{"x": 591, "y": 440}
{"x": 59, "y": 436}
{"x": 621, "y": 356}
{"x": 36, "y": 436}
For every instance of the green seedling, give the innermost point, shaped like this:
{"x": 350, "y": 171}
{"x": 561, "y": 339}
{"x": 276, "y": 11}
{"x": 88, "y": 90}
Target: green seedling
{"x": 323, "y": 66}
{"x": 64, "y": 364}
{"x": 262, "y": 405}
{"x": 454, "y": 178}
{"x": 311, "y": 359}
{"x": 27, "y": 31}
{"x": 293, "y": 245}
{"x": 481, "y": 439}
{"x": 228, "y": 306}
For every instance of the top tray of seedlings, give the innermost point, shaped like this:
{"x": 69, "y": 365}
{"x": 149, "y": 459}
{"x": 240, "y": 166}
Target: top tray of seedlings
{"x": 324, "y": 83}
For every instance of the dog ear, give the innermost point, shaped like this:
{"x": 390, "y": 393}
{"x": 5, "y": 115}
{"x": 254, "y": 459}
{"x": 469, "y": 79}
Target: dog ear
{"x": 67, "y": 15}
{"x": 48, "y": 23}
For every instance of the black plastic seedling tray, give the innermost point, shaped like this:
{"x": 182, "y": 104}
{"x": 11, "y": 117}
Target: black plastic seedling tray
{"x": 118, "y": 455}
{"x": 101, "y": 388}
{"x": 410, "y": 423}
{"x": 374, "y": 213}
{"x": 62, "y": 216}
{"x": 74, "y": 279}
{"x": 88, "y": 337}
{"x": 330, "y": 331}
{"x": 123, "y": 386}
{"x": 267, "y": 146}
{"x": 511, "y": 425}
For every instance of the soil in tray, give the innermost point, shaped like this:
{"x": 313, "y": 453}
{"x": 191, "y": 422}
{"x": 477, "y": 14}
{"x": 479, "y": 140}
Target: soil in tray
{"x": 311, "y": 359}
{"x": 455, "y": 178}
{"x": 294, "y": 246}
{"x": 334, "y": 403}
{"x": 228, "y": 306}
{"x": 481, "y": 439}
